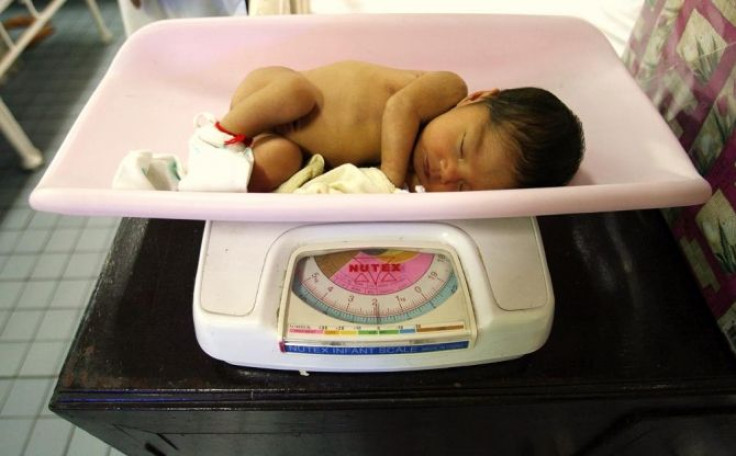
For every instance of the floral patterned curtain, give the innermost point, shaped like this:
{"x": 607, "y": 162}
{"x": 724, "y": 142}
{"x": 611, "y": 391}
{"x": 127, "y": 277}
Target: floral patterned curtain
{"x": 683, "y": 55}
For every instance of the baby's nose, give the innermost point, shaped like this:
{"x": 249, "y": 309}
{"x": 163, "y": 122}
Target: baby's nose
{"x": 449, "y": 170}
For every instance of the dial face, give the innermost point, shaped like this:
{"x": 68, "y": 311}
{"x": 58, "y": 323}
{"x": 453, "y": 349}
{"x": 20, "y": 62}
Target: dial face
{"x": 375, "y": 286}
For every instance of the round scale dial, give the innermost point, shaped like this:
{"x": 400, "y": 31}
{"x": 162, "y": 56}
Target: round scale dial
{"x": 375, "y": 286}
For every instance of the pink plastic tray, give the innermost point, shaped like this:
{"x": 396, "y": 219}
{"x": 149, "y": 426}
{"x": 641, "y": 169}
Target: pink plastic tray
{"x": 168, "y": 72}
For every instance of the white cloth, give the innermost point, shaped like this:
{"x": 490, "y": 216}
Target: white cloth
{"x": 215, "y": 165}
{"x": 224, "y": 170}
{"x": 314, "y": 168}
{"x": 350, "y": 179}
{"x": 218, "y": 170}
{"x": 343, "y": 179}
{"x": 144, "y": 170}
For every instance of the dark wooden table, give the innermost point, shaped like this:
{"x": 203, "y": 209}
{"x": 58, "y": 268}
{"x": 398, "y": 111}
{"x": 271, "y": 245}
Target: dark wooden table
{"x": 635, "y": 364}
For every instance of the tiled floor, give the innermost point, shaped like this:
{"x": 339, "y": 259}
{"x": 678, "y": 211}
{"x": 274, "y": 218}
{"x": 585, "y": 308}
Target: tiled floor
{"x": 48, "y": 263}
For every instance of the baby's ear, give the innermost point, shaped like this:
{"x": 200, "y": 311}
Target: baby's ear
{"x": 479, "y": 95}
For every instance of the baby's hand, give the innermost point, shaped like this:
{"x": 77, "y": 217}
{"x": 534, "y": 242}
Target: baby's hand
{"x": 395, "y": 176}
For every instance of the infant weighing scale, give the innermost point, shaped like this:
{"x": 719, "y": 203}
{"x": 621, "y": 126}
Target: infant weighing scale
{"x": 362, "y": 283}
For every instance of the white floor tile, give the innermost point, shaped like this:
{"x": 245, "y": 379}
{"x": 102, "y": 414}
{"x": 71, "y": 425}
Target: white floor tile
{"x": 32, "y": 241}
{"x": 9, "y": 292}
{"x": 16, "y": 219}
{"x": 103, "y": 222}
{"x": 25, "y": 398}
{"x": 5, "y": 385}
{"x": 13, "y": 434}
{"x": 45, "y": 409}
{"x": 94, "y": 240}
{"x": 63, "y": 240}
{"x": 12, "y": 355}
{"x": 69, "y": 221}
{"x": 43, "y": 220}
{"x": 36, "y": 295}
{"x": 21, "y": 325}
{"x": 18, "y": 266}
{"x": 58, "y": 324}
{"x": 4, "y": 315}
{"x": 83, "y": 265}
{"x": 8, "y": 240}
{"x": 44, "y": 359}
{"x": 85, "y": 444}
{"x": 49, "y": 437}
{"x": 50, "y": 266}
{"x": 72, "y": 293}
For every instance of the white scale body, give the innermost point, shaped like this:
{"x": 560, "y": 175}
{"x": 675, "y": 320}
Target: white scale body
{"x": 371, "y": 297}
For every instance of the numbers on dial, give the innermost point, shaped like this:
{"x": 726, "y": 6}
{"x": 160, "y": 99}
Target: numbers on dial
{"x": 376, "y": 286}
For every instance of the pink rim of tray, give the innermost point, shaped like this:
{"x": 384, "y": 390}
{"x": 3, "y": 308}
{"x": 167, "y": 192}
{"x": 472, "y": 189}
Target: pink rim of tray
{"x": 169, "y": 71}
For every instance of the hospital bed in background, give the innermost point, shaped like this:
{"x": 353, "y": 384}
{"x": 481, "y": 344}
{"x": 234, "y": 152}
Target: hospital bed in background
{"x": 31, "y": 157}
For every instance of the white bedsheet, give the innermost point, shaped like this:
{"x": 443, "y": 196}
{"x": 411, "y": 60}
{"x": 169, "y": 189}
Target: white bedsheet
{"x": 615, "y": 18}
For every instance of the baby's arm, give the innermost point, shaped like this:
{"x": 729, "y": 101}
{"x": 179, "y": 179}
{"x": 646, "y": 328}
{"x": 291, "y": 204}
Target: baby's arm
{"x": 420, "y": 101}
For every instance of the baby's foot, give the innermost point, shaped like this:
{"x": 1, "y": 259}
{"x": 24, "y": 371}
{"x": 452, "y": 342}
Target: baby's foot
{"x": 218, "y": 161}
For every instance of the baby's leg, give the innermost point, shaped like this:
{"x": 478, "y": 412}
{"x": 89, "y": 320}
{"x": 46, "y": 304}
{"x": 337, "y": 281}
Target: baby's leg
{"x": 267, "y": 98}
{"x": 276, "y": 160}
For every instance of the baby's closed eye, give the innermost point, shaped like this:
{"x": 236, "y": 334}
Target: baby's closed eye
{"x": 461, "y": 148}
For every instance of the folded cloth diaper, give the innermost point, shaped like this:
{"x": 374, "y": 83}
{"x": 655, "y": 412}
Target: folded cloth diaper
{"x": 143, "y": 170}
{"x": 218, "y": 161}
{"x": 350, "y": 179}
{"x": 312, "y": 169}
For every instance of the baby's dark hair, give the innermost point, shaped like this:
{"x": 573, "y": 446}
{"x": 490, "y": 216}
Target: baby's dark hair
{"x": 545, "y": 132}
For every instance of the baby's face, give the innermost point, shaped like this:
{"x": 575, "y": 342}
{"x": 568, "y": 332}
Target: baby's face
{"x": 459, "y": 151}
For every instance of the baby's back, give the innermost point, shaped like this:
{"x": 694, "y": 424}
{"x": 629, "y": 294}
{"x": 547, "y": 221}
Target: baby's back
{"x": 345, "y": 127}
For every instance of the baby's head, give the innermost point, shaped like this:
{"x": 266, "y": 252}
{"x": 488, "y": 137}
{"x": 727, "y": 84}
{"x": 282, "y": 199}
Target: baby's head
{"x": 545, "y": 134}
{"x": 514, "y": 138}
